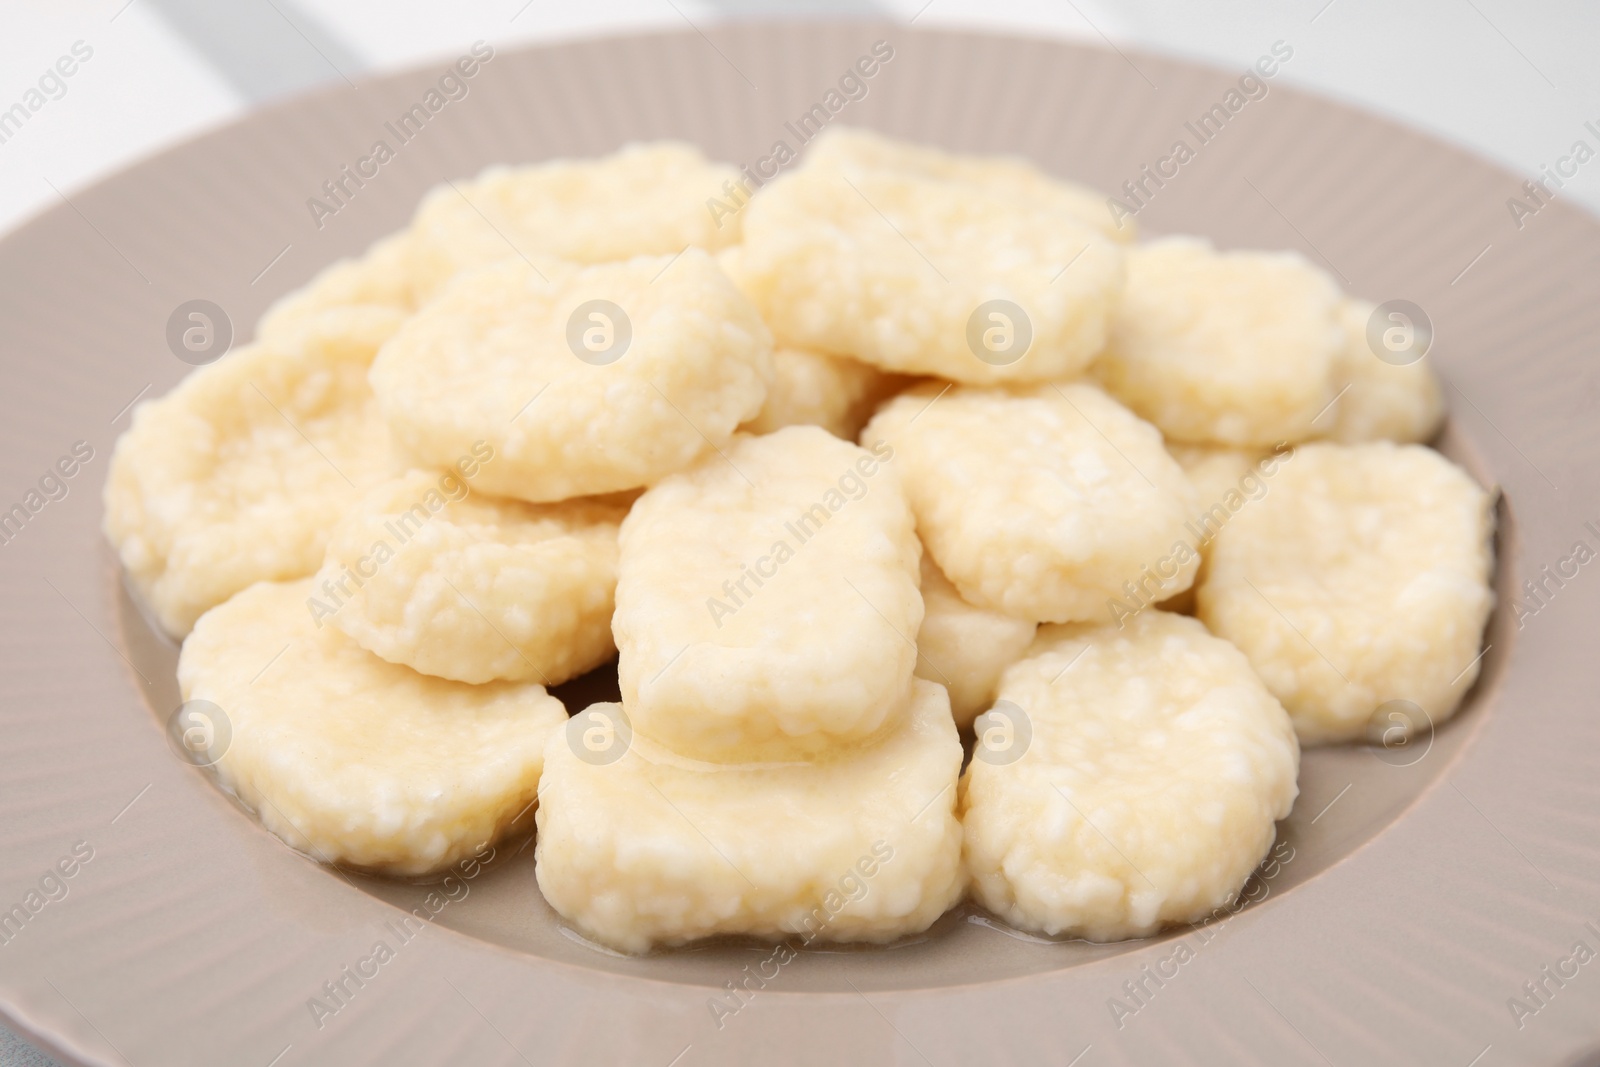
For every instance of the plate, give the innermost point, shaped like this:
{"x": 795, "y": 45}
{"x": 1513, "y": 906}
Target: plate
{"x": 1415, "y": 894}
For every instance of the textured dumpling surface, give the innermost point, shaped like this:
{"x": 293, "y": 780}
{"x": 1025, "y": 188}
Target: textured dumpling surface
{"x": 963, "y": 647}
{"x": 355, "y": 760}
{"x": 767, "y": 600}
{"x": 651, "y": 849}
{"x": 851, "y": 149}
{"x": 818, "y": 389}
{"x": 1234, "y": 348}
{"x": 811, "y": 388}
{"x": 1361, "y": 578}
{"x": 899, "y": 271}
{"x": 1214, "y": 470}
{"x": 378, "y": 279}
{"x": 1225, "y": 480}
{"x": 644, "y": 200}
{"x": 1044, "y": 502}
{"x": 1153, "y": 764}
{"x": 673, "y": 360}
{"x": 239, "y": 473}
{"x": 1384, "y": 401}
{"x": 461, "y": 585}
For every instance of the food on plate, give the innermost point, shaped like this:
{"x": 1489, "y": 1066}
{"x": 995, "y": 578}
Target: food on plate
{"x": 921, "y": 276}
{"x": 853, "y": 150}
{"x": 651, "y": 848}
{"x": 1227, "y": 348}
{"x": 964, "y": 647}
{"x": 1225, "y": 480}
{"x": 379, "y": 279}
{"x": 1216, "y": 470}
{"x": 1381, "y": 400}
{"x": 238, "y": 474}
{"x": 904, "y": 447}
{"x": 584, "y": 380}
{"x": 816, "y": 389}
{"x": 767, "y": 603}
{"x": 1361, "y": 579}
{"x": 811, "y": 388}
{"x": 1128, "y": 779}
{"x": 453, "y": 583}
{"x": 644, "y": 200}
{"x": 1047, "y": 502}
{"x": 355, "y": 760}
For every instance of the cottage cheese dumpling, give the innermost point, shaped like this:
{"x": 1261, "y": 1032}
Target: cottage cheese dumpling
{"x": 812, "y": 388}
{"x": 1043, "y": 502}
{"x": 1213, "y": 470}
{"x": 816, "y": 389}
{"x": 767, "y": 599}
{"x": 238, "y": 474}
{"x": 355, "y": 760}
{"x": 470, "y": 587}
{"x": 645, "y": 200}
{"x": 1362, "y": 577}
{"x": 1225, "y": 480}
{"x": 362, "y": 328}
{"x": 380, "y": 279}
{"x": 1384, "y": 401}
{"x": 925, "y": 276}
{"x": 652, "y": 849}
{"x": 584, "y": 380}
{"x": 1232, "y": 348}
{"x": 964, "y": 648}
{"x": 1128, "y": 780}
{"x": 852, "y": 150}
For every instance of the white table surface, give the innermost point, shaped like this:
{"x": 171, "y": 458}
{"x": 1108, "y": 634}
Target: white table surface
{"x": 1512, "y": 81}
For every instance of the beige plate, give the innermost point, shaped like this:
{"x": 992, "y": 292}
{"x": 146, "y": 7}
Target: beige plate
{"x": 1423, "y": 890}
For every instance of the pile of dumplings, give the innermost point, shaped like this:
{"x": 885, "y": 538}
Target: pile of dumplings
{"x": 913, "y": 447}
